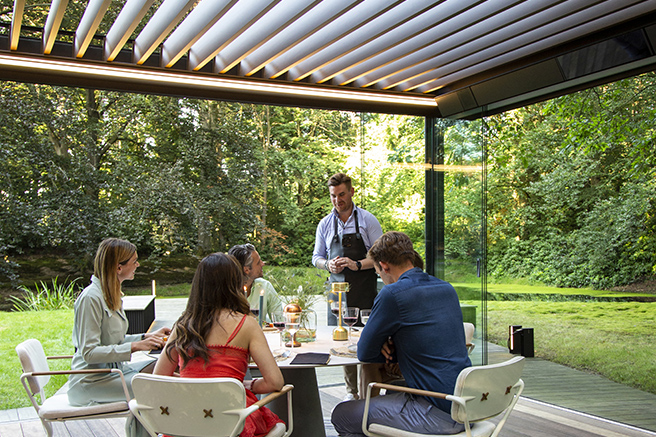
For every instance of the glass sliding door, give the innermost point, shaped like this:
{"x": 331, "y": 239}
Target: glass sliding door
{"x": 455, "y": 216}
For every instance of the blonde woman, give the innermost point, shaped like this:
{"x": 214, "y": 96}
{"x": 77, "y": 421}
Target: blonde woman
{"x": 100, "y": 329}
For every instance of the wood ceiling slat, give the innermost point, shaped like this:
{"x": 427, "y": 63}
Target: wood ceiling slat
{"x": 575, "y": 29}
{"x": 128, "y": 19}
{"x": 16, "y": 23}
{"x": 392, "y": 37}
{"x": 194, "y": 26}
{"x": 158, "y": 28}
{"x": 89, "y": 23}
{"x": 507, "y": 24}
{"x": 226, "y": 36}
{"x": 55, "y": 16}
{"x": 451, "y": 18}
{"x": 303, "y": 29}
{"x": 278, "y": 41}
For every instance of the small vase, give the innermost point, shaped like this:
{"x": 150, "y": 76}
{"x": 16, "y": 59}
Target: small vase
{"x": 308, "y": 327}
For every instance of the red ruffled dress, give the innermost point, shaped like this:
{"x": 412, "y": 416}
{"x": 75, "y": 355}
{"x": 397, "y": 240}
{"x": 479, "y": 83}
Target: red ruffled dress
{"x": 232, "y": 362}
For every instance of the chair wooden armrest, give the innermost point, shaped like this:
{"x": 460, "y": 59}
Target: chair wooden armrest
{"x": 60, "y": 357}
{"x": 414, "y": 391}
{"x": 287, "y": 389}
{"x": 274, "y": 395}
{"x": 26, "y": 375}
{"x": 73, "y": 372}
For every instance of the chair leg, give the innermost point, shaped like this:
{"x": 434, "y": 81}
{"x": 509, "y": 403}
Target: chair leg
{"x": 48, "y": 428}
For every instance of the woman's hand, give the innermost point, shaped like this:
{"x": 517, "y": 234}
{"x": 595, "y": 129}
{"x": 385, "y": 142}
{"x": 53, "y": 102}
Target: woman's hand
{"x": 152, "y": 340}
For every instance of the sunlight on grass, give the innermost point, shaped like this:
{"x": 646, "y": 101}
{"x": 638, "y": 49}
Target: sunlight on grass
{"x": 609, "y": 338}
{"x": 53, "y": 329}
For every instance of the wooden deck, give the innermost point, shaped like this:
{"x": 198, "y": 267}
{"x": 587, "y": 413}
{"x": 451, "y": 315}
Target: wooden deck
{"x": 557, "y": 401}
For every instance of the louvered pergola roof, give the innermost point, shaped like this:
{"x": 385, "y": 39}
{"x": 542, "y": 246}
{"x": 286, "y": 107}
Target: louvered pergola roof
{"x": 448, "y": 58}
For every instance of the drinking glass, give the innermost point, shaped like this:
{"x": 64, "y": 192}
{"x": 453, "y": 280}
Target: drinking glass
{"x": 278, "y": 320}
{"x": 364, "y": 316}
{"x": 292, "y": 321}
{"x": 350, "y": 317}
{"x": 334, "y": 308}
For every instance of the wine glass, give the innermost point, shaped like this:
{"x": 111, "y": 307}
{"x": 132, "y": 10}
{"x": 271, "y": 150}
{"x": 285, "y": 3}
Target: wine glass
{"x": 364, "y": 316}
{"x": 278, "y": 320}
{"x": 292, "y": 321}
{"x": 255, "y": 312}
{"x": 350, "y": 317}
{"x": 334, "y": 308}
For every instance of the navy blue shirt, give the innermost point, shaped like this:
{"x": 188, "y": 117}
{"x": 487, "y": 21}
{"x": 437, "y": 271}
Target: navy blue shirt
{"x": 422, "y": 315}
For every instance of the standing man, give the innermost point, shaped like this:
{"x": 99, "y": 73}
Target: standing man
{"x": 253, "y": 269}
{"x": 416, "y": 320}
{"x": 342, "y": 240}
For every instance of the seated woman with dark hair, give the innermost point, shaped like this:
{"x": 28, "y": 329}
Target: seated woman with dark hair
{"x": 215, "y": 337}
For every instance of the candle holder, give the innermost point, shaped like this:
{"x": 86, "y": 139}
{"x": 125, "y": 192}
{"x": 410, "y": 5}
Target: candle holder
{"x": 340, "y": 333}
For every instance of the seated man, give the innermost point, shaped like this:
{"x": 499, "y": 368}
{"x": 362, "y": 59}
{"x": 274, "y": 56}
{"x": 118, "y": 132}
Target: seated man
{"x": 252, "y": 268}
{"x": 415, "y": 320}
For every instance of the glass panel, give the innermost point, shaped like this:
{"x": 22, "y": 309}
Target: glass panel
{"x": 455, "y": 216}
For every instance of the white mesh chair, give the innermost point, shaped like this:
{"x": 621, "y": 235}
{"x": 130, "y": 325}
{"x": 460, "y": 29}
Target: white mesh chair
{"x": 198, "y": 407}
{"x": 469, "y": 336}
{"x": 481, "y": 393}
{"x": 36, "y": 375}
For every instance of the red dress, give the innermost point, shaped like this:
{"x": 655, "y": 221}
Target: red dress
{"x": 232, "y": 362}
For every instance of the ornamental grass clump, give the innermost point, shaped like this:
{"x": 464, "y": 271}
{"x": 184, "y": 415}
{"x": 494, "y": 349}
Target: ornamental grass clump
{"x": 47, "y": 297}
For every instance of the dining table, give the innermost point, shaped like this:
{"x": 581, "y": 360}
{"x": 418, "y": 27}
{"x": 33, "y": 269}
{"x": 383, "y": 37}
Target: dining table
{"x": 306, "y": 402}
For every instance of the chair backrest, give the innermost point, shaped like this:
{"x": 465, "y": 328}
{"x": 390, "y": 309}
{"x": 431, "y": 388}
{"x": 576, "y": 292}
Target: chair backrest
{"x": 191, "y": 407}
{"x": 489, "y": 389}
{"x": 469, "y": 331}
{"x": 33, "y": 359}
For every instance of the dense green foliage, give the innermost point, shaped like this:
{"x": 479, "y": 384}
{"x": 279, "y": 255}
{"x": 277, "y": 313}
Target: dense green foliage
{"x": 174, "y": 176}
{"x": 572, "y": 186}
{"x": 570, "y": 182}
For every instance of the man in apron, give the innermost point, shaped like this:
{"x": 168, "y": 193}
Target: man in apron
{"x": 343, "y": 238}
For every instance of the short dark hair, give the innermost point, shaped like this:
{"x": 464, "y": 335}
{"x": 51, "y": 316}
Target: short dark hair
{"x": 243, "y": 253}
{"x": 394, "y": 248}
{"x": 339, "y": 179}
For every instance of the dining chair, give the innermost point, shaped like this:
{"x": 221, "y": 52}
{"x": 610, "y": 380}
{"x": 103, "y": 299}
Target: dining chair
{"x": 56, "y": 408}
{"x": 199, "y": 407}
{"x": 481, "y": 393}
{"x": 469, "y": 336}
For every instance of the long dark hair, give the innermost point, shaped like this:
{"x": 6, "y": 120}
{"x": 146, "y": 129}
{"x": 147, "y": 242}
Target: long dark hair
{"x": 217, "y": 285}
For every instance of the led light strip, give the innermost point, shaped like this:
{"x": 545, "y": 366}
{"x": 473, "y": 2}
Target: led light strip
{"x": 172, "y": 78}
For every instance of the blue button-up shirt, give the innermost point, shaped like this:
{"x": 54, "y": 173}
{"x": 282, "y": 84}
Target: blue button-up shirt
{"x": 369, "y": 228}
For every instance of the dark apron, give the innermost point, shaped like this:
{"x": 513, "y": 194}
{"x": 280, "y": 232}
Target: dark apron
{"x": 362, "y": 284}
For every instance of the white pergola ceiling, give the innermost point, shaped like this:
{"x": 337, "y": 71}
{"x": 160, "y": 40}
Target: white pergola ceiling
{"x": 459, "y": 58}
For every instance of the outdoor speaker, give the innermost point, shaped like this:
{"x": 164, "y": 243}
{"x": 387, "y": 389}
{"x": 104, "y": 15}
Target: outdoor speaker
{"x": 513, "y": 345}
{"x": 521, "y": 341}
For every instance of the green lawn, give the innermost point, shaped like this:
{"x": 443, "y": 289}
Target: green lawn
{"x": 610, "y": 338}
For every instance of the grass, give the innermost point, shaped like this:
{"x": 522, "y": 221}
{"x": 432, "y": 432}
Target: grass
{"x": 53, "y": 329}
{"x": 613, "y": 339}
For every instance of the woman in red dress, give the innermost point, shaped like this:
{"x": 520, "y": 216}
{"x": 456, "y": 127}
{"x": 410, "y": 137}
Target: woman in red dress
{"x": 215, "y": 337}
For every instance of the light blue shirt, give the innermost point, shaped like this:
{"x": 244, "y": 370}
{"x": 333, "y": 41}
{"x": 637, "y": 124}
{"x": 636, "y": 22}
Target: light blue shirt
{"x": 369, "y": 228}
{"x": 271, "y": 301}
